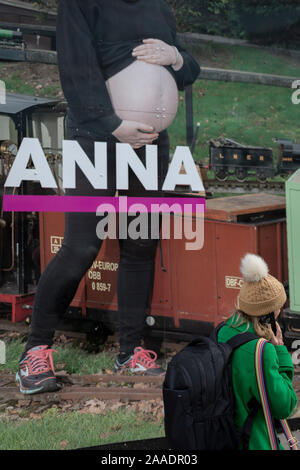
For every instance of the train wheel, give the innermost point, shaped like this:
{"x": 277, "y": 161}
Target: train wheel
{"x": 221, "y": 174}
{"x": 261, "y": 176}
{"x": 241, "y": 174}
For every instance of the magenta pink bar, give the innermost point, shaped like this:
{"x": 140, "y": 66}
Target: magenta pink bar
{"x": 20, "y": 203}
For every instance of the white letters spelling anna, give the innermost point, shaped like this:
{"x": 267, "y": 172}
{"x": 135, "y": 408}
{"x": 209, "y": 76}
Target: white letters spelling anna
{"x": 97, "y": 174}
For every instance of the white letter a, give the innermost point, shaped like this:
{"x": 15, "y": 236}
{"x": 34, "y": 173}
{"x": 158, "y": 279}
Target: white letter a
{"x": 41, "y": 171}
{"x": 183, "y": 156}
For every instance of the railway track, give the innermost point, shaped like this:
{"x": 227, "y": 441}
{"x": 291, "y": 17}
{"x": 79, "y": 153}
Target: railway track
{"x": 104, "y": 387}
{"x": 76, "y": 388}
{"x": 81, "y": 388}
{"x": 216, "y": 186}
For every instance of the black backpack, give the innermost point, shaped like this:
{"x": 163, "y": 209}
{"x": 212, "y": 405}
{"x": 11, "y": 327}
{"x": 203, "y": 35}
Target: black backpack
{"x": 198, "y": 396}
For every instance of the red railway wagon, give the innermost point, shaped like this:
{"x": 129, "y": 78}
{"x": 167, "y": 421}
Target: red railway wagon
{"x": 197, "y": 289}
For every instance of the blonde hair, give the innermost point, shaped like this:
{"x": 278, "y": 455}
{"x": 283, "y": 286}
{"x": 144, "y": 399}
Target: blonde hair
{"x": 239, "y": 317}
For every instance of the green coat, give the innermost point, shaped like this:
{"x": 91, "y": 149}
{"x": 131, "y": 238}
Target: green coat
{"x": 279, "y": 372}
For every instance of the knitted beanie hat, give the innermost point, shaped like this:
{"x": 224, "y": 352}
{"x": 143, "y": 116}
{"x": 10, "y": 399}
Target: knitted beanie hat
{"x": 260, "y": 293}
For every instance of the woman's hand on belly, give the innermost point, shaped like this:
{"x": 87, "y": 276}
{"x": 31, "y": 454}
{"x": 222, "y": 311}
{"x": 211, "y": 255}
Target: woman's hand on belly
{"x": 135, "y": 133}
{"x": 155, "y": 51}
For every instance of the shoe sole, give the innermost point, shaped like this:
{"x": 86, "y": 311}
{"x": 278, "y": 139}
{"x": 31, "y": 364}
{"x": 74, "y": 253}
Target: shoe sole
{"x": 47, "y": 387}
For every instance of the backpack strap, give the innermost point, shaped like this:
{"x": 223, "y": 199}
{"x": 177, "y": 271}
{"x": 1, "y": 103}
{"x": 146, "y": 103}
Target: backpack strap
{"x": 215, "y": 331}
{"x": 240, "y": 339}
{"x": 253, "y": 406}
{"x": 237, "y": 340}
{"x": 259, "y": 371}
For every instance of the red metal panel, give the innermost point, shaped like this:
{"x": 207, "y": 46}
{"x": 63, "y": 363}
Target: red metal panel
{"x": 197, "y": 285}
{"x": 20, "y": 305}
{"x": 101, "y": 278}
{"x": 270, "y": 247}
{"x": 194, "y": 278}
{"x": 98, "y": 288}
{"x": 52, "y": 226}
{"x": 232, "y": 242}
{"x": 42, "y": 222}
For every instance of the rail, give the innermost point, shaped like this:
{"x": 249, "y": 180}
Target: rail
{"x": 236, "y": 187}
{"x": 207, "y": 73}
{"x": 49, "y": 31}
{"x": 7, "y": 6}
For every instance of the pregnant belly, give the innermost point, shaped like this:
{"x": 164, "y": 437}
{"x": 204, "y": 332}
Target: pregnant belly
{"x": 145, "y": 93}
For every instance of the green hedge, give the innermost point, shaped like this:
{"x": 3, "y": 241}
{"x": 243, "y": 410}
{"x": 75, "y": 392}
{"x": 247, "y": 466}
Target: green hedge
{"x": 266, "y": 20}
{"x": 210, "y": 17}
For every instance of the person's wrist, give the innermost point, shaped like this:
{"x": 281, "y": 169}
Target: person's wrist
{"x": 117, "y": 128}
{"x": 179, "y": 61}
{"x": 176, "y": 56}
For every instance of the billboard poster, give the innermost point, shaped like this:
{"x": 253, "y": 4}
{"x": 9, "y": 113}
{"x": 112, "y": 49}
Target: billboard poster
{"x": 146, "y": 148}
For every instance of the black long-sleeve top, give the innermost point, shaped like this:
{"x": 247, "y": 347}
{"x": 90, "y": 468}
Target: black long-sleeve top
{"x": 95, "y": 39}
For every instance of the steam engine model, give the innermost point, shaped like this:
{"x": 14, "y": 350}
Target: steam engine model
{"x": 228, "y": 157}
{"x": 24, "y": 116}
{"x": 288, "y": 156}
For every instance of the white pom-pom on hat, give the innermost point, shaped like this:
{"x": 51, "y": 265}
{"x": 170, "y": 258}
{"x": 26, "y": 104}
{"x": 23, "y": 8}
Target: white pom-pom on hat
{"x": 253, "y": 268}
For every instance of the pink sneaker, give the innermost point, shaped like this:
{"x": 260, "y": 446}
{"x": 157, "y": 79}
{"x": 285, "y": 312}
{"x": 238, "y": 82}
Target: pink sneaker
{"x": 142, "y": 360}
{"x": 36, "y": 372}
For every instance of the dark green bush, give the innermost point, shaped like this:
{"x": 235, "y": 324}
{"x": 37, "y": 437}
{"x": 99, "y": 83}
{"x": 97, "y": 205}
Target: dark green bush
{"x": 265, "y": 20}
{"x": 210, "y": 17}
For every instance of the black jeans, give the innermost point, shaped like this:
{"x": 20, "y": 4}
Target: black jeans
{"x": 60, "y": 279}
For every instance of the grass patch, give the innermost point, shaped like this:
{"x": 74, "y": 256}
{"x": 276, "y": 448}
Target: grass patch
{"x": 14, "y": 349}
{"x": 70, "y": 358}
{"x": 76, "y": 361}
{"x": 245, "y": 58}
{"x": 23, "y": 426}
{"x": 15, "y": 84}
{"x": 55, "y": 431}
{"x": 250, "y": 114}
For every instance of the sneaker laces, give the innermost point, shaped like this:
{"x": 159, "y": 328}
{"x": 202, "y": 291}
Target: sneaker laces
{"x": 41, "y": 360}
{"x": 146, "y": 357}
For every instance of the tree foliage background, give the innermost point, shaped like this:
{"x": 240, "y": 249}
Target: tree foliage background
{"x": 264, "y": 21}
